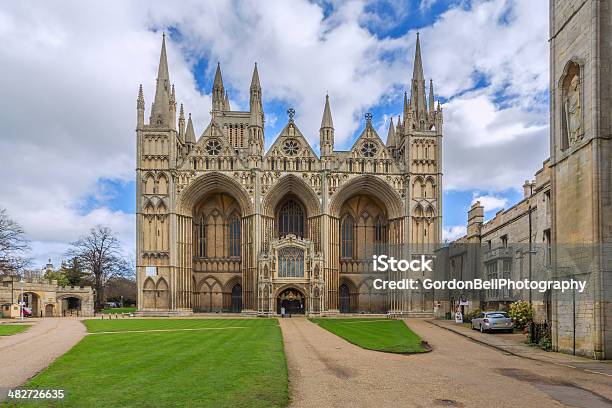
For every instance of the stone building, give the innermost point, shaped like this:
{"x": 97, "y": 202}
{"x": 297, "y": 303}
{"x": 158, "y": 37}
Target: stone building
{"x": 515, "y": 244}
{"x": 223, "y": 225}
{"x": 46, "y": 298}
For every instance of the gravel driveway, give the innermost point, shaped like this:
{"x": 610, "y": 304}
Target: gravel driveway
{"x": 326, "y": 371}
{"x": 23, "y": 355}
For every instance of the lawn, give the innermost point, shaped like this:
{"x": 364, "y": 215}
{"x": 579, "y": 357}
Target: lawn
{"x": 118, "y": 310}
{"x": 375, "y": 334}
{"x": 10, "y": 329}
{"x": 172, "y": 363}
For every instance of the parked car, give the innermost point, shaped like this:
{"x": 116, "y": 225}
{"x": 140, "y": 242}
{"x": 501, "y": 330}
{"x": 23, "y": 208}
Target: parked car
{"x": 490, "y": 321}
{"x": 27, "y": 312}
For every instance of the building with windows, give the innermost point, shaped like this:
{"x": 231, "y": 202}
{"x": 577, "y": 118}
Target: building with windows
{"x": 224, "y": 225}
{"x": 45, "y": 298}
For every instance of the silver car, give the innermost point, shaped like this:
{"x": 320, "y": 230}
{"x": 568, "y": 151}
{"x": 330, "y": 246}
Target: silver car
{"x": 489, "y": 321}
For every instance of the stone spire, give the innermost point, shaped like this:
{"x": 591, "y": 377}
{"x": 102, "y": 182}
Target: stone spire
{"x": 140, "y": 107}
{"x": 256, "y": 125}
{"x": 226, "y": 102}
{"x": 255, "y": 79}
{"x": 255, "y": 90}
{"x": 418, "y": 104}
{"x": 181, "y": 120}
{"x": 326, "y": 133}
{"x": 406, "y": 107}
{"x": 190, "y": 134}
{"x": 391, "y": 142}
{"x": 160, "y": 111}
{"x": 327, "y": 121}
{"x": 218, "y": 91}
{"x": 432, "y": 103}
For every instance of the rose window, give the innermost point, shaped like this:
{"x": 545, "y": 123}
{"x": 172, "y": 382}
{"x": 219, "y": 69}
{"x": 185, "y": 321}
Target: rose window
{"x": 213, "y": 147}
{"x": 368, "y": 149}
{"x": 291, "y": 147}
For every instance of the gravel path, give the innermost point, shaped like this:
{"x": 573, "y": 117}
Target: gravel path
{"x": 23, "y": 355}
{"x": 326, "y": 371}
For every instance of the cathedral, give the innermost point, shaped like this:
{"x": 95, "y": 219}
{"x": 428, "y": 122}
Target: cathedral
{"x": 224, "y": 225}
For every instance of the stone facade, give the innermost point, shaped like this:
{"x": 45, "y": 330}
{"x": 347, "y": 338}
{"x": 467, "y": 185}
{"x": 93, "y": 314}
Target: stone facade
{"x": 223, "y": 225}
{"x": 515, "y": 244}
{"x": 46, "y": 298}
{"x": 581, "y": 173}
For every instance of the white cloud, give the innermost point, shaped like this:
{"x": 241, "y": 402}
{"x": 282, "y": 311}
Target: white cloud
{"x": 453, "y": 232}
{"x": 491, "y": 203}
{"x": 71, "y": 73}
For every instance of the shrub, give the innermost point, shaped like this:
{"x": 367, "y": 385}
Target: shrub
{"x": 521, "y": 313}
{"x": 470, "y": 315}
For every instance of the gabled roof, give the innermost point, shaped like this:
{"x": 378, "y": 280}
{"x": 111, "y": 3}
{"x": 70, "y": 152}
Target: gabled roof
{"x": 290, "y": 131}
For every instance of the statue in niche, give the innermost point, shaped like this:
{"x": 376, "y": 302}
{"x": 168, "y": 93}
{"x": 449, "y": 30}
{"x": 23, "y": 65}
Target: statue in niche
{"x": 572, "y": 111}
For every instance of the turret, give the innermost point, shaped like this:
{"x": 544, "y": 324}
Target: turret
{"x": 431, "y": 97}
{"x": 326, "y": 132}
{"x": 218, "y": 92}
{"x": 391, "y": 139}
{"x": 256, "y": 120}
{"x": 181, "y": 133}
{"x": 140, "y": 107}
{"x": 190, "y": 139}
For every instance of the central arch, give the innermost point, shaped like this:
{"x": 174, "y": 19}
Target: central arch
{"x": 291, "y": 185}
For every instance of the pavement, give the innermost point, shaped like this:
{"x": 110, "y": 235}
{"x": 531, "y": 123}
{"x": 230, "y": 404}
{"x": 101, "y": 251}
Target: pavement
{"x": 515, "y": 344}
{"x": 25, "y": 354}
{"x": 327, "y": 371}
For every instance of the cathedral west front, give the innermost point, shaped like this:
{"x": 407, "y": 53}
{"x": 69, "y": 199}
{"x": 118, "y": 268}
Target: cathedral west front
{"x": 224, "y": 225}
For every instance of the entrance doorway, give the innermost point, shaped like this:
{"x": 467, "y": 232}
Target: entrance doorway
{"x": 292, "y": 300}
{"x": 345, "y": 299}
{"x": 237, "y": 298}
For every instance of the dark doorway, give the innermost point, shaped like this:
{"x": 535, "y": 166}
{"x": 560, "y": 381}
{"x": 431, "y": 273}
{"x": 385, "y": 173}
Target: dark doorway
{"x": 237, "y": 298}
{"x": 345, "y": 299}
{"x": 292, "y": 300}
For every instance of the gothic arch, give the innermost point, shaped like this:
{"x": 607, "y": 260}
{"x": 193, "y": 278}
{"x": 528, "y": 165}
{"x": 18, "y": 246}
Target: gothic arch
{"x": 291, "y": 185}
{"x": 162, "y": 184}
{"x": 368, "y": 185}
{"x": 149, "y": 183}
{"x": 210, "y": 183}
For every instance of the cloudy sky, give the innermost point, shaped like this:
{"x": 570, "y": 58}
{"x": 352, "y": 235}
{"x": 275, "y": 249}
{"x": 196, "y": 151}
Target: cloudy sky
{"x": 71, "y": 70}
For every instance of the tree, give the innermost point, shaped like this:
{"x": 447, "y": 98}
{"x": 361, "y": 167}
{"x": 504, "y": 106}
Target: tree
{"x": 98, "y": 254}
{"x": 13, "y": 245}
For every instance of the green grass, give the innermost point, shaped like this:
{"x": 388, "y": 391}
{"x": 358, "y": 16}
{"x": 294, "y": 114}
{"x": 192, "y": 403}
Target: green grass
{"x": 117, "y": 310}
{"x": 229, "y": 367}
{"x": 10, "y": 329}
{"x": 375, "y": 334}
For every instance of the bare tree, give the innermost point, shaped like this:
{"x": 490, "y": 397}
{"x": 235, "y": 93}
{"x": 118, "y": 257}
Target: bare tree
{"x": 13, "y": 245}
{"x": 99, "y": 256}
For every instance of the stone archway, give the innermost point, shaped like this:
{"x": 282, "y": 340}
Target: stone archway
{"x": 292, "y": 300}
{"x": 223, "y": 247}
{"x": 70, "y": 305}
{"x": 31, "y": 300}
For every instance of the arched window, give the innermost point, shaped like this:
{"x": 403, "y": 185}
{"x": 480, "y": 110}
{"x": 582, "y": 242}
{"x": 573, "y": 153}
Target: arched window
{"x": 346, "y": 239}
{"x": 291, "y": 220}
{"x": 290, "y": 262}
{"x": 202, "y": 236}
{"x": 234, "y": 235}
